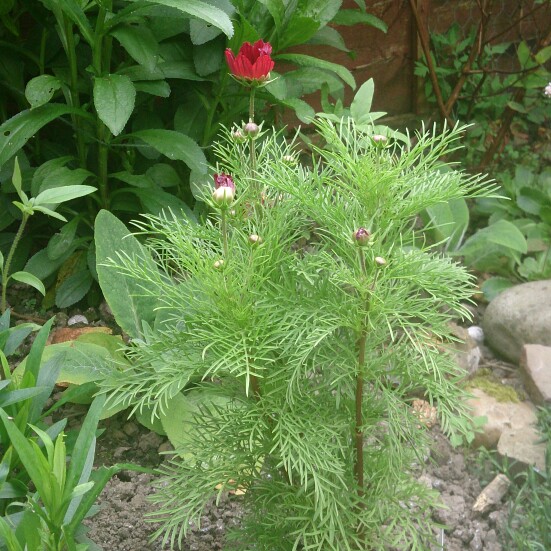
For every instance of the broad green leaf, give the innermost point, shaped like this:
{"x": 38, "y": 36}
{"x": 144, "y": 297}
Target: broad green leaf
{"x": 495, "y": 285}
{"x": 449, "y": 222}
{"x": 276, "y": 9}
{"x": 34, "y": 358}
{"x": 184, "y": 70}
{"x": 73, "y": 10}
{"x": 175, "y": 146}
{"x": 42, "y": 266}
{"x": 202, "y": 11}
{"x": 15, "y": 132}
{"x": 14, "y": 396}
{"x": 328, "y": 36}
{"x": 361, "y": 104}
{"x": 304, "y": 60}
{"x": 124, "y": 294}
{"x": 164, "y": 175}
{"x": 159, "y": 88}
{"x": 8, "y": 535}
{"x": 51, "y": 213}
{"x": 62, "y": 194}
{"x": 139, "y": 42}
{"x": 544, "y": 55}
{"x": 17, "y": 182}
{"x": 61, "y": 241}
{"x": 41, "y": 89}
{"x": 532, "y": 200}
{"x": 73, "y": 289}
{"x": 353, "y": 17}
{"x": 155, "y": 201}
{"x": 60, "y": 177}
{"x": 29, "y": 279}
{"x": 178, "y": 418}
{"x": 506, "y": 234}
{"x": 303, "y": 110}
{"x": 114, "y": 97}
{"x": 208, "y": 58}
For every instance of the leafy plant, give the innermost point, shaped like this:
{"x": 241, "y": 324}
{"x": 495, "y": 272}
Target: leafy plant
{"x": 50, "y": 518}
{"x": 286, "y": 366}
{"x": 515, "y": 244}
{"x": 46, "y": 201}
{"x": 131, "y": 95}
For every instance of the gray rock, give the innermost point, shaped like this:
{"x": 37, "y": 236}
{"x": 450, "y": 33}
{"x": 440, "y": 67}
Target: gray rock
{"x": 518, "y": 316}
{"x": 500, "y": 416}
{"x": 77, "y": 318}
{"x": 524, "y": 447}
{"x": 535, "y": 366}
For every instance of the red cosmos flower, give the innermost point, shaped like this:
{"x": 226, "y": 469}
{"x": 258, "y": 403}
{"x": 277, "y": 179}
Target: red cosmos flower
{"x": 253, "y": 62}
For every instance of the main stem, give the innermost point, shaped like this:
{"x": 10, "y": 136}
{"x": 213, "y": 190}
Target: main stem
{"x": 7, "y": 265}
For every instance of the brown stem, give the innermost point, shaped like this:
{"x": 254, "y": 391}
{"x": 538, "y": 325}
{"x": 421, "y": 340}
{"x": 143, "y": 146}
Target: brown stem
{"x": 424, "y": 38}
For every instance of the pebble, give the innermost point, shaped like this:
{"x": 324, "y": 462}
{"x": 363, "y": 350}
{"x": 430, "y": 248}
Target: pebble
{"x": 77, "y": 318}
{"x": 476, "y": 333}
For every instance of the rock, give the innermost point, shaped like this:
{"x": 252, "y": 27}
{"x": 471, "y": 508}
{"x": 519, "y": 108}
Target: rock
{"x": 465, "y": 351}
{"x": 518, "y": 316}
{"x": 77, "y": 318}
{"x": 492, "y": 494}
{"x": 476, "y": 333}
{"x": 522, "y": 445}
{"x": 501, "y": 416}
{"x": 453, "y": 513}
{"x": 535, "y": 363}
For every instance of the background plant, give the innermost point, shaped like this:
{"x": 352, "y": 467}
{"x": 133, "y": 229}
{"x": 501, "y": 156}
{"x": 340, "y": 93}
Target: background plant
{"x": 127, "y": 96}
{"x": 266, "y": 343}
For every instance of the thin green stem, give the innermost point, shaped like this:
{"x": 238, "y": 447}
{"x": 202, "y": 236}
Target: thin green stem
{"x": 7, "y": 264}
{"x": 224, "y": 231}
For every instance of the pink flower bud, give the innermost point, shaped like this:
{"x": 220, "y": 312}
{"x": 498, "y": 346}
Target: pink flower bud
{"x": 255, "y": 239}
{"x": 223, "y": 180}
{"x": 361, "y": 237}
{"x": 238, "y": 136}
{"x": 251, "y": 129}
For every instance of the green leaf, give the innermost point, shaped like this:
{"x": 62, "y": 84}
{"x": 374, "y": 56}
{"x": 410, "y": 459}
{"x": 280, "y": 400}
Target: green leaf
{"x": 114, "y": 97}
{"x": 159, "y": 88}
{"x": 41, "y": 89}
{"x": 34, "y": 358}
{"x": 123, "y": 293}
{"x": 353, "y": 17}
{"x": 495, "y": 285}
{"x": 184, "y": 70}
{"x": 139, "y": 42}
{"x": 544, "y": 55}
{"x": 532, "y": 200}
{"x": 86, "y": 438}
{"x": 61, "y": 241}
{"x": 72, "y": 9}
{"x": 62, "y": 194}
{"x": 15, "y": 132}
{"x": 73, "y": 289}
{"x": 17, "y": 181}
{"x": 361, "y": 104}
{"x": 201, "y": 31}
{"x": 29, "y": 279}
{"x": 175, "y": 146}
{"x": 203, "y": 11}
{"x": 178, "y": 417}
{"x": 304, "y": 60}
{"x": 449, "y": 222}
{"x": 155, "y": 201}
{"x": 328, "y": 36}
{"x": 34, "y": 463}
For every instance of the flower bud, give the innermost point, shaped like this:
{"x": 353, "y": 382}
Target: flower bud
{"x": 379, "y": 139}
{"x": 251, "y": 130}
{"x": 361, "y": 237}
{"x": 289, "y": 160}
{"x": 255, "y": 239}
{"x": 223, "y": 196}
{"x": 380, "y": 261}
{"x": 224, "y": 193}
{"x": 218, "y": 264}
{"x": 237, "y": 135}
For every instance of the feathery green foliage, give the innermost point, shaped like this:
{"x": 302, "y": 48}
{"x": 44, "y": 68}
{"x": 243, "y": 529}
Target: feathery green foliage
{"x": 279, "y": 336}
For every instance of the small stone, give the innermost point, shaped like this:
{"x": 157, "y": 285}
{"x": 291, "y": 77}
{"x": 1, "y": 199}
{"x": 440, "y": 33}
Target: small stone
{"x": 130, "y": 428}
{"x": 77, "y": 318}
{"x": 166, "y": 447}
{"x": 492, "y": 494}
{"x": 535, "y": 363}
{"x": 476, "y": 333}
{"x": 524, "y": 446}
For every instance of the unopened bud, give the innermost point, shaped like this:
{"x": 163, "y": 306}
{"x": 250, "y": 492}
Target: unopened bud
{"x": 380, "y": 261}
{"x": 223, "y": 196}
{"x": 379, "y": 139}
{"x": 361, "y": 237}
{"x": 289, "y": 159}
{"x": 251, "y": 129}
{"x": 238, "y": 136}
{"x": 255, "y": 239}
{"x": 218, "y": 264}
